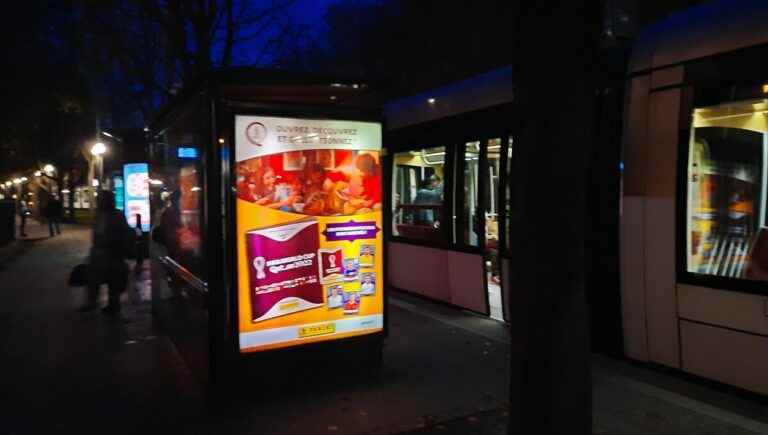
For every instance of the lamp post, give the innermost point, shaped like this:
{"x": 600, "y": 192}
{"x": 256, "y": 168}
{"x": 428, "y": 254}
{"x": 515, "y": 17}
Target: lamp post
{"x": 97, "y": 150}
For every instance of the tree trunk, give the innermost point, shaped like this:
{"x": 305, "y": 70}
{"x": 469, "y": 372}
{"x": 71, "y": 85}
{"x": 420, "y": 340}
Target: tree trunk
{"x": 550, "y": 391}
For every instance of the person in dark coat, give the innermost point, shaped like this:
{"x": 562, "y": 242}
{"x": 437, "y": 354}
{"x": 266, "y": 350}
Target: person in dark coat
{"x": 52, "y": 213}
{"x": 106, "y": 264}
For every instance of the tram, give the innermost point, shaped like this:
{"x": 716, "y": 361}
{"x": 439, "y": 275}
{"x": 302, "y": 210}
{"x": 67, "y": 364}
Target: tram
{"x": 449, "y": 154}
{"x": 693, "y": 227}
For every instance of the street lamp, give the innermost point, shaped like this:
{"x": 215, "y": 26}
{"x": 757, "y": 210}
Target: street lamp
{"x": 49, "y": 169}
{"x": 98, "y": 149}
{"x": 38, "y": 173}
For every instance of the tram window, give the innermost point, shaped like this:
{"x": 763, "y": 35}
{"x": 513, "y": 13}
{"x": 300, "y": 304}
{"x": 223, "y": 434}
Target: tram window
{"x": 726, "y": 191}
{"x": 177, "y": 196}
{"x": 470, "y": 231}
{"x": 492, "y": 194}
{"x": 418, "y": 194}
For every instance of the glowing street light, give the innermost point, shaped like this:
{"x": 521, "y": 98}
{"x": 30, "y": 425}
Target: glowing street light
{"x": 9, "y": 183}
{"x": 17, "y": 181}
{"x": 49, "y": 169}
{"x": 24, "y": 179}
{"x": 98, "y": 149}
{"x": 38, "y": 173}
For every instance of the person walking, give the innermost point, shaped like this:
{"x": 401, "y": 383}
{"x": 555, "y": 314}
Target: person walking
{"x": 22, "y": 209}
{"x": 112, "y": 237}
{"x": 53, "y": 215}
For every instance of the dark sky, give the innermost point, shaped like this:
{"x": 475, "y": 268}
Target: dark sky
{"x": 308, "y": 14}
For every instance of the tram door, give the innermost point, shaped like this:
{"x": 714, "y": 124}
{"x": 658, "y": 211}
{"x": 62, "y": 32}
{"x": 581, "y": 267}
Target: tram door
{"x": 483, "y": 200}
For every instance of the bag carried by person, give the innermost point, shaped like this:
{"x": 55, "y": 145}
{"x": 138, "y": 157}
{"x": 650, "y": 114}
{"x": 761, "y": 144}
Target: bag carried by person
{"x": 78, "y": 277}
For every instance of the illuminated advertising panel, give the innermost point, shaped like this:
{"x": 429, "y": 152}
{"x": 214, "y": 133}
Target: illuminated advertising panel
{"x": 309, "y": 237}
{"x": 136, "y": 185}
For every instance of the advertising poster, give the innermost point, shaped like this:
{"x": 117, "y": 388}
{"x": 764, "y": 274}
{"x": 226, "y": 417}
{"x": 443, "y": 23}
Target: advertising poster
{"x": 136, "y": 185}
{"x": 309, "y": 230}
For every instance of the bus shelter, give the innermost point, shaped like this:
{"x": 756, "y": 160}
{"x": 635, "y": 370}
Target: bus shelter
{"x": 265, "y": 192}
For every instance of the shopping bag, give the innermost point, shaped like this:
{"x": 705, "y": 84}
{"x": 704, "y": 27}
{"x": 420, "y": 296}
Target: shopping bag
{"x": 78, "y": 277}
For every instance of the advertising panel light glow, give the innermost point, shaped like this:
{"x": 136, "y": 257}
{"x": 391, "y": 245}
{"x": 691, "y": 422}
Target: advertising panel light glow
{"x": 136, "y": 184}
{"x": 309, "y": 238}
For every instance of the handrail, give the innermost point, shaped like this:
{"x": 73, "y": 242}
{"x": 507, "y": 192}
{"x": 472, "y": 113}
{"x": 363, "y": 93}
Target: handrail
{"x": 185, "y": 274}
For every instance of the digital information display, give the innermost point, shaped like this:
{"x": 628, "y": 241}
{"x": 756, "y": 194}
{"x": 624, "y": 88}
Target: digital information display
{"x": 136, "y": 181}
{"x": 309, "y": 238}
{"x": 187, "y": 153}
{"x": 119, "y": 191}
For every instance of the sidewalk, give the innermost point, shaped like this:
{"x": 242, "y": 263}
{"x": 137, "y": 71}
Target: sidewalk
{"x": 35, "y": 230}
{"x": 69, "y": 372}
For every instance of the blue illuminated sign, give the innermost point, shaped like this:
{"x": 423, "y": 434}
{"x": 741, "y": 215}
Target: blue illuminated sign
{"x": 136, "y": 180}
{"x": 119, "y": 191}
{"x": 187, "y": 153}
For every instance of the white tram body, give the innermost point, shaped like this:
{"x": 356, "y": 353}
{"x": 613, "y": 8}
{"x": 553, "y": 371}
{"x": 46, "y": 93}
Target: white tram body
{"x": 693, "y": 222}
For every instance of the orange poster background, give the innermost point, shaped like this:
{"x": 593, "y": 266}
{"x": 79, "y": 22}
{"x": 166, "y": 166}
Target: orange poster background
{"x": 251, "y": 216}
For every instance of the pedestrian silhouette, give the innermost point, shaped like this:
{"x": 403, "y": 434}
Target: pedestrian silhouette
{"x": 112, "y": 241}
{"x": 52, "y": 213}
{"x": 23, "y": 210}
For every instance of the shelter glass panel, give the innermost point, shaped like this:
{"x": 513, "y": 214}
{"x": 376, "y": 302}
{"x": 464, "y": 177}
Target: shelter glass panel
{"x": 177, "y": 190}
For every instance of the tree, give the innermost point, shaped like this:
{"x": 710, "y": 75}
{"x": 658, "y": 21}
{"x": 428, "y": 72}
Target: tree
{"x": 141, "y": 52}
{"x": 48, "y": 107}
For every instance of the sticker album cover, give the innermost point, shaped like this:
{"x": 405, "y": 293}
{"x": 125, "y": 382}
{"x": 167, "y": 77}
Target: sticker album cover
{"x": 283, "y": 269}
{"x": 330, "y": 265}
